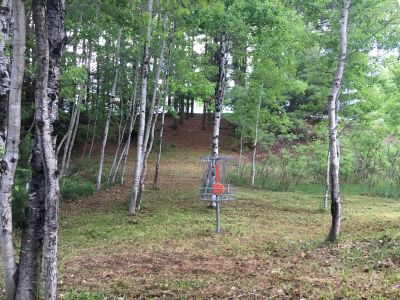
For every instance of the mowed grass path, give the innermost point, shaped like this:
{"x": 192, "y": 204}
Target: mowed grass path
{"x": 271, "y": 245}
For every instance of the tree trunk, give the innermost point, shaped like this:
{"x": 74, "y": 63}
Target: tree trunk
{"x": 97, "y": 107}
{"x": 219, "y": 93}
{"x": 155, "y": 89}
{"x": 327, "y": 180}
{"x": 181, "y": 108}
{"x": 113, "y": 168}
{"x": 49, "y": 118}
{"x": 132, "y": 119}
{"x": 204, "y": 121}
{"x": 176, "y": 110}
{"x": 32, "y": 230}
{"x": 188, "y": 100}
{"x": 333, "y": 143}
{"x": 253, "y": 169}
{"x": 157, "y": 169}
{"x": 8, "y": 164}
{"x": 219, "y": 96}
{"x": 5, "y": 20}
{"x": 50, "y": 39}
{"x": 72, "y": 142}
{"x": 240, "y": 151}
{"x": 151, "y": 122}
{"x": 110, "y": 108}
{"x": 192, "y": 107}
{"x": 87, "y": 99}
{"x": 166, "y": 100}
{"x": 68, "y": 138}
{"x": 145, "y": 75}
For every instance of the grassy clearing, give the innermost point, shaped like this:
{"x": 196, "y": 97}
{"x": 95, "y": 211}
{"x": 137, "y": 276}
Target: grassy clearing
{"x": 271, "y": 245}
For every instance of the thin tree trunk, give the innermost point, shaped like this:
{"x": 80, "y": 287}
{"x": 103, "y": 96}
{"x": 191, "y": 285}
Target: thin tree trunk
{"x": 181, "y": 108}
{"x": 176, "y": 109}
{"x": 97, "y": 107}
{"x": 8, "y": 164}
{"x": 192, "y": 107}
{"x": 188, "y": 108}
{"x": 253, "y": 169}
{"x": 157, "y": 169}
{"x": 94, "y": 125}
{"x": 132, "y": 119}
{"x": 219, "y": 94}
{"x": 240, "y": 151}
{"x": 204, "y": 121}
{"x": 151, "y": 122}
{"x": 327, "y": 180}
{"x": 165, "y": 93}
{"x": 110, "y": 107}
{"x": 5, "y": 20}
{"x": 145, "y": 75}
{"x": 113, "y": 168}
{"x": 68, "y": 138}
{"x": 71, "y": 144}
{"x": 121, "y": 134}
{"x": 333, "y": 144}
{"x": 87, "y": 100}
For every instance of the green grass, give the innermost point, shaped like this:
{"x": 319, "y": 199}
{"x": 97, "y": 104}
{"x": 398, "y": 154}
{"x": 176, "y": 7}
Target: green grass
{"x": 271, "y": 245}
{"x": 379, "y": 190}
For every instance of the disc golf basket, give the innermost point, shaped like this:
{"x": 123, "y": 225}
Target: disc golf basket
{"x": 215, "y": 186}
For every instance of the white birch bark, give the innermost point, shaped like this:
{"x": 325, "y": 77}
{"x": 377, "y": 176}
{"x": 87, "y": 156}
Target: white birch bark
{"x": 240, "y": 151}
{"x": 8, "y": 163}
{"x": 147, "y": 147}
{"x": 113, "y": 169}
{"x": 72, "y": 142}
{"x": 133, "y": 115}
{"x": 94, "y": 126}
{"x": 5, "y": 20}
{"x": 88, "y": 60}
{"x": 328, "y": 164}
{"x": 140, "y": 149}
{"x": 165, "y": 104}
{"x": 253, "y": 168}
{"x": 68, "y": 138}
{"x": 332, "y": 116}
{"x": 110, "y": 107}
{"x": 219, "y": 94}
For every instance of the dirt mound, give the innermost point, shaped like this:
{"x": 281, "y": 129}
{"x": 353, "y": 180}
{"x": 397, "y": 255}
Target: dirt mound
{"x": 191, "y": 135}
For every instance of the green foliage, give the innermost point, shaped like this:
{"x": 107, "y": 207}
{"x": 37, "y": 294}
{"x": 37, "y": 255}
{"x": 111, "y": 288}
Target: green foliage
{"x": 69, "y": 79}
{"x": 72, "y": 188}
{"x": 19, "y": 199}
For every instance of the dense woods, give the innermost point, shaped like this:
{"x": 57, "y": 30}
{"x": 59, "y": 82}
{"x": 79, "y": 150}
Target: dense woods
{"x": 87, "y": 88}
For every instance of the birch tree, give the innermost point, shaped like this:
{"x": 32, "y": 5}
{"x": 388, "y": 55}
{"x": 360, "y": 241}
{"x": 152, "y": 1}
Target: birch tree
{"x": 40, "y": 229}
{"x": 153, "y": 114}
{"x": 253, "y": 168}
{"x": 8, "y": 163}
{"x": 142, "y": 114}
{"x": 164, "y": 109}
{"x": 132, "y": 121}
{"x": 333, "y": 138}
{"x": 5, "y": 20}
{"x": 109, "y": 112}
{"x": 219, "y": 93}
